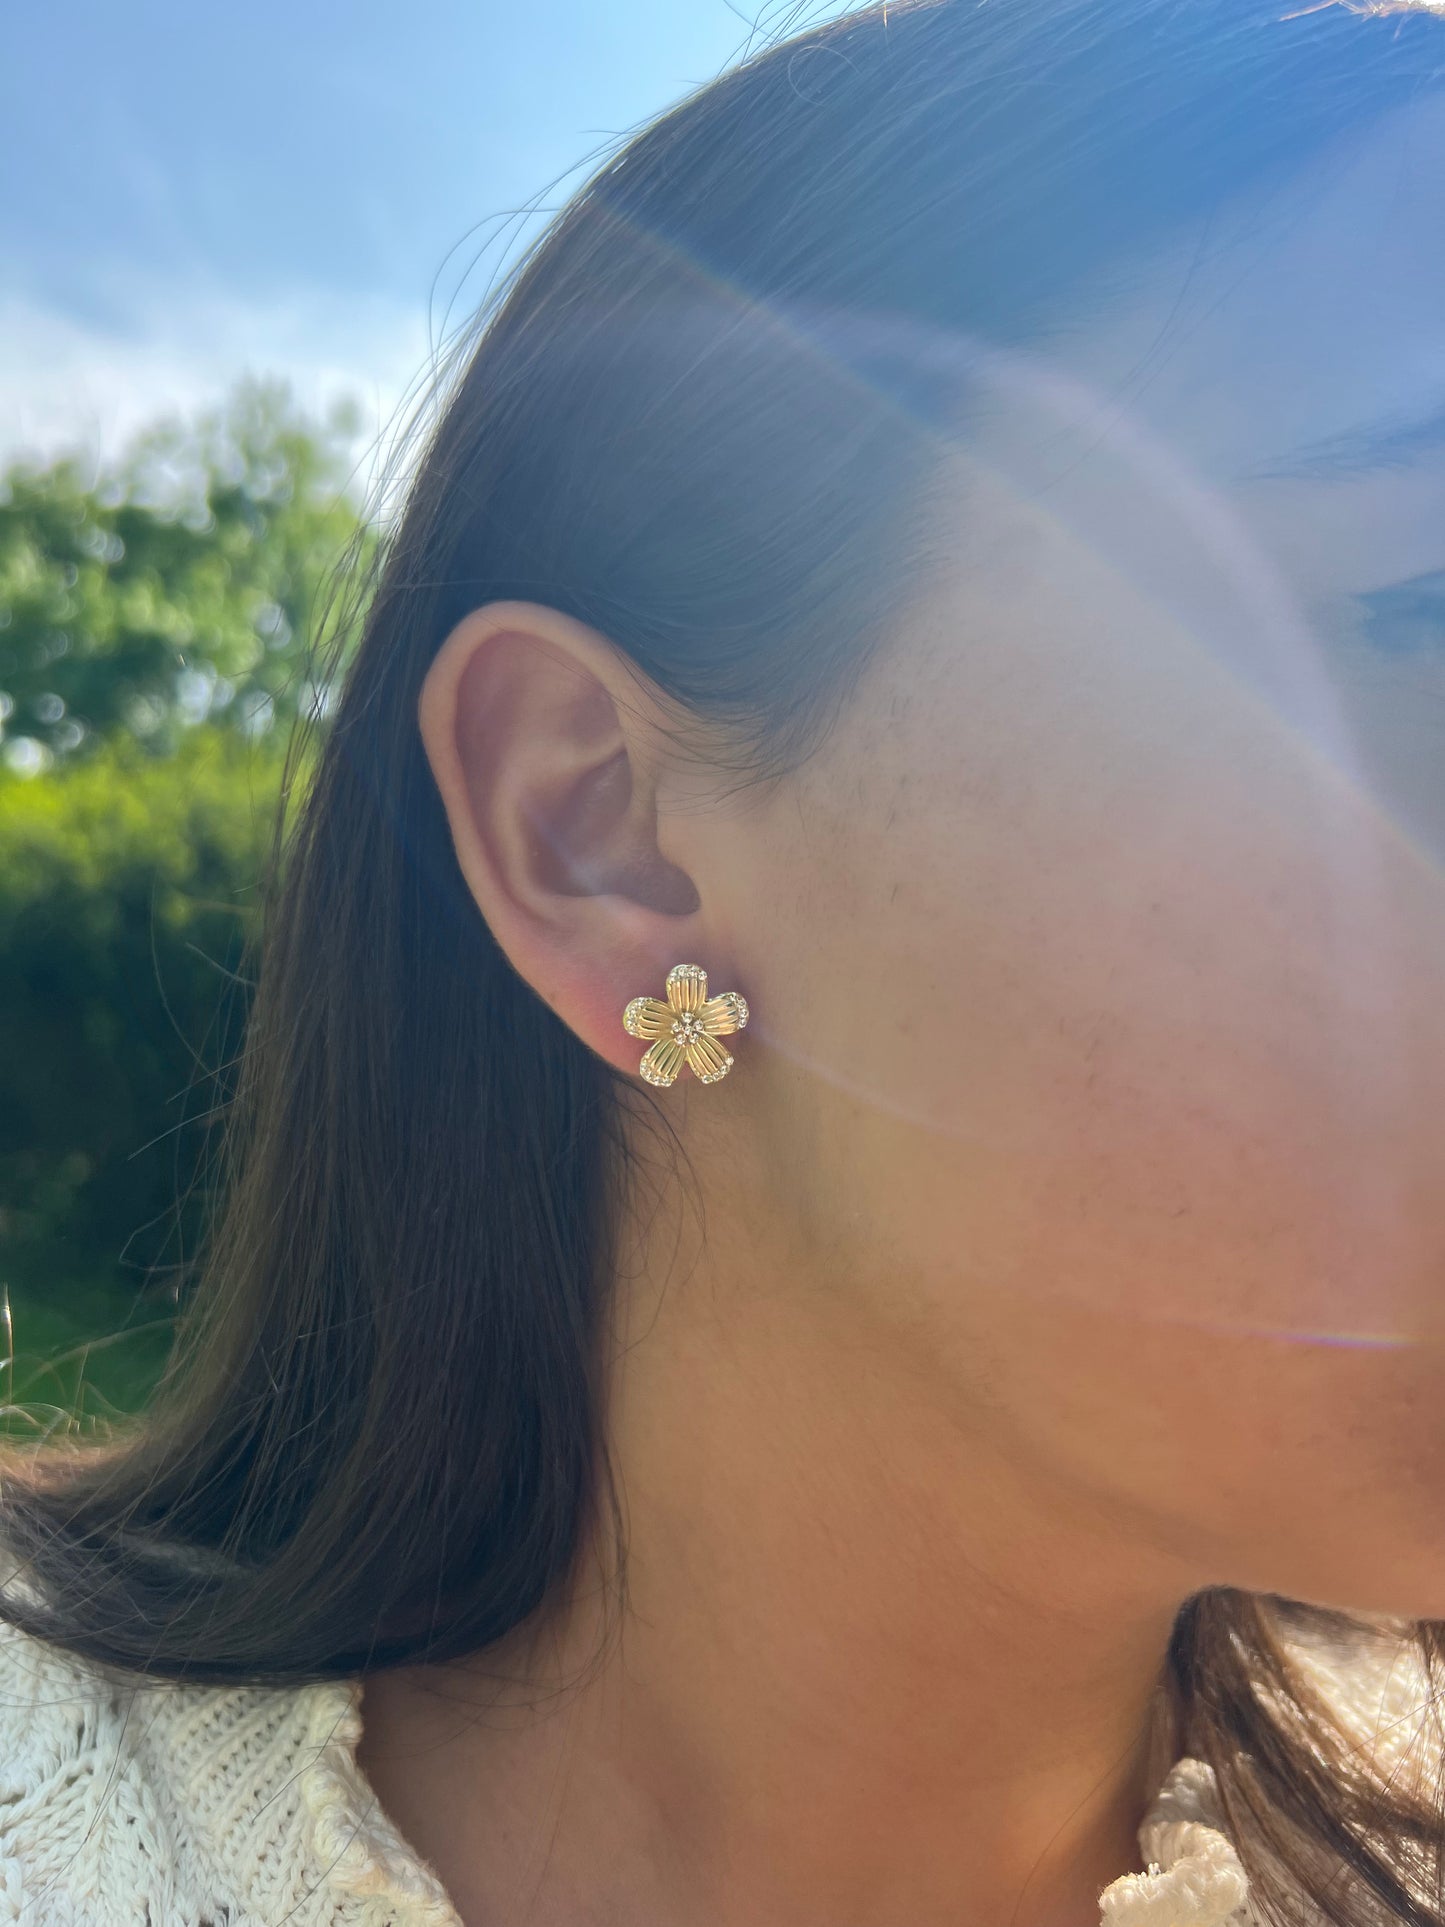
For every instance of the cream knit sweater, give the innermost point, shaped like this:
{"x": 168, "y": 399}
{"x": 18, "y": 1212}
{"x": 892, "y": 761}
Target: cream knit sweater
{"x": 141, "y": 1803}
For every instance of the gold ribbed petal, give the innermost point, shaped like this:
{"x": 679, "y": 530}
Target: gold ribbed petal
{"x": 648, "y": 1017}
{"x": 661, "y": 1064}
{"x": 721, "y": 1016}
{"x": 708, "y": 1061}
{"x": 686, "y": 987}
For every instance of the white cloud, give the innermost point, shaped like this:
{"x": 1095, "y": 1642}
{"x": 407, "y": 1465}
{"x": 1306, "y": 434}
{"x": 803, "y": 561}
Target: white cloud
{"x": 72, "y": 383}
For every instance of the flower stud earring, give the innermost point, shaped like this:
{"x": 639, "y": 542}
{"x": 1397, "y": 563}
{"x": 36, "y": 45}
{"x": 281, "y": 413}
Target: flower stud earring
{"x": 685, "y": 1027}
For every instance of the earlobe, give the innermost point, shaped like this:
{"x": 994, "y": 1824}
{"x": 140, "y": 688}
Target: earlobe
{"x": 544, "y": 763}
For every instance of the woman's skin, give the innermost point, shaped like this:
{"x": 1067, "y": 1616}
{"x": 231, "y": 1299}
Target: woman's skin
{"x": 1075, "y": 1211}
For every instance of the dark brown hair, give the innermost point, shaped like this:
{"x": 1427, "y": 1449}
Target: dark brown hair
{"x": 699, "y": 417}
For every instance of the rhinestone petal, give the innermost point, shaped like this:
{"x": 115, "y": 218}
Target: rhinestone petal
{"x": 662, "y": 1062}
{"x": 720, "y": 1016}
{"x": 687, "y": 987}
{"x": 708, "y": 1060}
{"x": 647, "y": 1017}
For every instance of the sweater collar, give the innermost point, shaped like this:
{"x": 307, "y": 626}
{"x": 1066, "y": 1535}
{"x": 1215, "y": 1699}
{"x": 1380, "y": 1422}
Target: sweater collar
{"x": 1193, "y": 1875}
{"x": 352, "y": 1836}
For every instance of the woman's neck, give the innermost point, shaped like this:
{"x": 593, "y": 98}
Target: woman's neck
{"x": 875, "y": 1667}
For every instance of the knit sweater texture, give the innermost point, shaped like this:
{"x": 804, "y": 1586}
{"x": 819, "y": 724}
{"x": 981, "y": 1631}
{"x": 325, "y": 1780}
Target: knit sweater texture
{"x": 129, "y": 1802}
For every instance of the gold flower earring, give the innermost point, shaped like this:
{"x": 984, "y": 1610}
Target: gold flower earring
{"x": 685, "y": 1027}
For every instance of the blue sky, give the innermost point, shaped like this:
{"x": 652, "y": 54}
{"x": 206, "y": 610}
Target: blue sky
{"x": 193, "y": 191}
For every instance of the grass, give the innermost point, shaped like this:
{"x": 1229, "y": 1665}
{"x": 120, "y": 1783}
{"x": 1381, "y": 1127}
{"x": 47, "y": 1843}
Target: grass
{"x": 74, "y": 1353}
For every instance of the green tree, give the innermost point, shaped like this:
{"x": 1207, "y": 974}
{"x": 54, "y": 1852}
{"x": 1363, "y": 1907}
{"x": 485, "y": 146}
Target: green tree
{"x": 128, "y": 891}
{"x": 182, "y": 588}
{"x": 157, "y": 627}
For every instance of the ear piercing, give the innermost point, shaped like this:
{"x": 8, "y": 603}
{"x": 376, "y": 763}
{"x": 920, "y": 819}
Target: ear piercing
{"x": 686, "y": 1027}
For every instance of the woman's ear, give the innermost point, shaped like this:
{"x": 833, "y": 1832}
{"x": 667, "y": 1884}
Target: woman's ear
{"x": 543, "y": 749}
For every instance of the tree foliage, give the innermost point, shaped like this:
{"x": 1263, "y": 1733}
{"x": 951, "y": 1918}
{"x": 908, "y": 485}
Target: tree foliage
{"x": 179, "y": 589}
{"x": 129, "y": 888}
{"x": 156, "y": 629}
